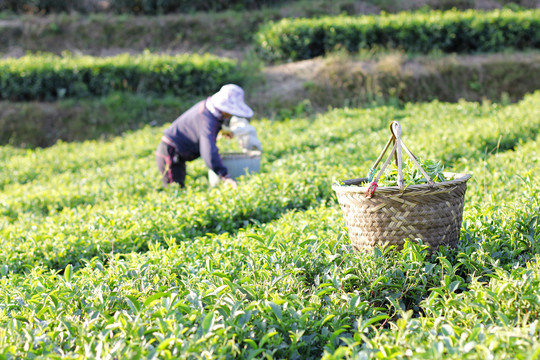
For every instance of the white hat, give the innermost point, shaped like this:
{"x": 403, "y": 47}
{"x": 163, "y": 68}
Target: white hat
{"x": 230, "y": 99}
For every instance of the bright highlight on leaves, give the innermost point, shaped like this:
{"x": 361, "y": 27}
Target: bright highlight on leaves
{"x": 99, "y": 264}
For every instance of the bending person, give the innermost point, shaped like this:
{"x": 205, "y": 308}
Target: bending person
{"x": 194, "y": 135}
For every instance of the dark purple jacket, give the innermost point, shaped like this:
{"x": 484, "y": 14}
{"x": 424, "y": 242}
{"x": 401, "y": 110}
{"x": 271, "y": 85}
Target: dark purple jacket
{"x": 195, "y": 133}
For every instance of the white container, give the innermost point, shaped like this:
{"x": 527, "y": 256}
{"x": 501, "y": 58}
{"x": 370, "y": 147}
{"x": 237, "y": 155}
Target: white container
{"x": 238, "y": 164}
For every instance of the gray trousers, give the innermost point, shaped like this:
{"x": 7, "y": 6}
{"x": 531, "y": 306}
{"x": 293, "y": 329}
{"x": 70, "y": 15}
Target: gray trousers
{"x": 171, "y": 167}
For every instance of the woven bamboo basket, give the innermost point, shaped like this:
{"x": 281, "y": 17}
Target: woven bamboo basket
{"x": 382, "y": 216}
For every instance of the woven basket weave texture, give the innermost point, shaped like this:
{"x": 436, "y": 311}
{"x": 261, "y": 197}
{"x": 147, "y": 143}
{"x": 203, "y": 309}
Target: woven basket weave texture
{"x": 431, "y": 213}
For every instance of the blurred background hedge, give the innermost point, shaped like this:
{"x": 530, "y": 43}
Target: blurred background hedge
{"x": 50, "y": 77}
{"x": 450, "y": 32}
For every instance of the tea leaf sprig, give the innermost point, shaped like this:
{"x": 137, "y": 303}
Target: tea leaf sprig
{"x": 411, "y": 174}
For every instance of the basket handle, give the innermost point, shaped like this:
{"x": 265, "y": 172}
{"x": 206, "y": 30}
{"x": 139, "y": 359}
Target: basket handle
{"x": 395, "y": 138}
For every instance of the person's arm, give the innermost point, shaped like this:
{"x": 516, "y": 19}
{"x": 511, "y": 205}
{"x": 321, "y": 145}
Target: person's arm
{"x": 208, "y": 147}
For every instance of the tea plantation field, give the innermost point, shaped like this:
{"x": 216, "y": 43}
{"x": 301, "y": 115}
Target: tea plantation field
{"x": 98, "y": 262}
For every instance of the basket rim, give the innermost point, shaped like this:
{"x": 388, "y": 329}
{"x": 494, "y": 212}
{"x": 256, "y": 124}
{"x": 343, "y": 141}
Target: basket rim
{"x": 238, "y": 154}
{"x": 351, "y": 187}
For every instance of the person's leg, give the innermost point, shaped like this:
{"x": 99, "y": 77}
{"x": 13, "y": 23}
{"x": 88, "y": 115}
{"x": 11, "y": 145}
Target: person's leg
{"x": 163, "y": 161}
{"x": 178, "y": 170}
{"x": 170, "y": 167}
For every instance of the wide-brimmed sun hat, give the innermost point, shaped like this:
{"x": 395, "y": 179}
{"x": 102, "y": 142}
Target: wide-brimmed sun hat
{"x": 230, "y": 99}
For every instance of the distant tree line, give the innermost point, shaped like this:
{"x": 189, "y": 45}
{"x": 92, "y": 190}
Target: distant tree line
{"x": 142, "y": 7}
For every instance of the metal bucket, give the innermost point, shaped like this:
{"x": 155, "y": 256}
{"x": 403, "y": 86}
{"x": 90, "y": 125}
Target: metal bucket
{"x": 238, "y": 164}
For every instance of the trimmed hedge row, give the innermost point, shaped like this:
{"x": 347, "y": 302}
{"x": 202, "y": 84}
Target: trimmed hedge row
{"x": 450, "y": 31}
{"x": 143, "y": 7}
{"x": 49, "y": 77}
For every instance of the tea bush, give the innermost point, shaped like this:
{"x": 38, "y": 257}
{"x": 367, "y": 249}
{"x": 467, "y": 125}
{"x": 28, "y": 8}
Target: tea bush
{"x": 97, "y": 262}
{"x": 450, "y": 32}
{"x": 114, "y": 176}
{"x": 49, "y": 77}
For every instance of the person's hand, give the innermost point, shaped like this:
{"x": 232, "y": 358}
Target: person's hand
{"x": 227, "y": 134}
{"x": 230, "y": 182}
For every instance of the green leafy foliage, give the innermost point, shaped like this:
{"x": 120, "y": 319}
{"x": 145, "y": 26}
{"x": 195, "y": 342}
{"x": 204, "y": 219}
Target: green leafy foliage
{"x": 411, "y": 174}
{"x": 418, "y": 32}
{"x": 35, "y": 124}
{"x": 50, "y": 77}
{"x": 96, "y": 262}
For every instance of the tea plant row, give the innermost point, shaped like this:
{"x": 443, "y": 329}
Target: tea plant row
{"x": 420, "y": 32}
{"x": 50, "y": 77}
{"x": 292, "y": 287}
{"x": 112, "y": 203}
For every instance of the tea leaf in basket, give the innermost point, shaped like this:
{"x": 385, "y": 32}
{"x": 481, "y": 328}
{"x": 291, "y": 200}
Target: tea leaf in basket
{"x": 411, "y": 174}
